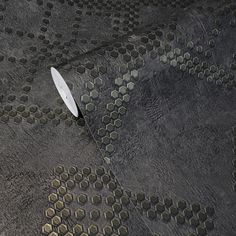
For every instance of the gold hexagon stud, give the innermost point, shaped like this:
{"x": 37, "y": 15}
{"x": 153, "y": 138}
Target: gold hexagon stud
{"x": 65, "y": 213}
{"x": 53, "y": 234}
{"x": 47, "y": 229}
{"x": 62, "y": 229}
{"x": 68, "y": 234}
{"x": 61, "y": 190}
{"x": 53, "y": 197}
{"x": 84, "y": 234}
{"x": 50, "y": 212}
{"x": 56, "y": 220}
{"x": 56, "y": 183}
{"x": 59, "y": 205}
{"x": 78, "y": 229}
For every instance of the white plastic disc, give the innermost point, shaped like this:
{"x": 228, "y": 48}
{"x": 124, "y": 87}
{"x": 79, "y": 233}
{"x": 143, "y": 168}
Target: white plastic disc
{"x": 64, "y": 91}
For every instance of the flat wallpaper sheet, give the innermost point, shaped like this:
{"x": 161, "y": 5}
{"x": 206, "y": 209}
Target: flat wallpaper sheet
{"x": 153, "y": 149}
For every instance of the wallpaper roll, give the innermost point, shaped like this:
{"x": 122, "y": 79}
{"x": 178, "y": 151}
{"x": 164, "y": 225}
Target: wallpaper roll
{"x": 161, "y": 106}
{"x": 155, "y": 82}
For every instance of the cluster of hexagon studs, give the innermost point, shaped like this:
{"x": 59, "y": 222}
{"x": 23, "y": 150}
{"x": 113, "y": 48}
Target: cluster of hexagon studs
{"x": 92, "y": 87}
{"x": 92, "y": 198}
{"x": 112, "y": 120}
{"x": 33, "y": 114}
{"x": 195, "y": 66}
{"x": 153, "y": 207}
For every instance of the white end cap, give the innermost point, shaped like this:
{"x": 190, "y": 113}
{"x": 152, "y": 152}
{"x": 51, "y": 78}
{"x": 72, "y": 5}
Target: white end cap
{"x": 64, "y": 92}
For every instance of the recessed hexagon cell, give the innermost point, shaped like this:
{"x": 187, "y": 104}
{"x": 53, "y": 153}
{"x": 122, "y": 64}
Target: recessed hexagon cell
{"x": 94, "y": 214}
{"x": 187, "y": 56}
{"x": 118, "y": 102}
{"x": 59, "y": 170}
{"x": 82, "y": 198}
{"x": 116, "y": 207}
{"x": 151, "y": 214}
{"x": 122, "y": 110}
{"x": 68, "y": 198}
{"x": 92, "y": 178}
{"x": 107, "y": 230}
{"x": 101, "y": 132}
{"x": 106, "y": 119}
{"x": 110, "y": 127}
{"x": 165, "y": 216}
{"x": 140, "y": 196}
{"x": 110, "y": 106}
{"x": 94, "y": 94}
{"x": 64, "y": 92}
{"x": 180, "y": 59}
{"x": 106, "y": 178}
{"x": 86, "y": 171}
{"x": 110, "y": 148}
{"x": 89, "y": 85}
{"x": 110, "y": 200}
{"x": 73, "y": 170}
{"x": 98, "y": 81}
{"x": 80, "y": 214}
{"x": 177, "y": 51}
{"x": 85, "y": 98}
{"x": 64, "y": 176}
{"x": 115, "y": 223}
{"x": 109, "y": 215}
{"x": 96, "y": 199}
{"x": 146, "y": 205}
{"x": 114, "y": 115}
{"x": 90, "y": 107}
{"x": 123, "y": 231}
{"x": 84, "y": 184}
{"x": 124, "y": 215}
{"x": 105, "y": 140}
{"x": 118, "y": 123}
{"x": 98, "y": 185}
{"x": 70, "y": 184}
{"x": 125, "y": 200}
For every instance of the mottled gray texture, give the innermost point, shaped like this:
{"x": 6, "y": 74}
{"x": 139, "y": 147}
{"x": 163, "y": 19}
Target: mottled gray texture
{"x": 168, "y": 65}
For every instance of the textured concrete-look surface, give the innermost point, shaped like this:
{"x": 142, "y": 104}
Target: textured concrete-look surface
{"x": 153, "y": 151}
